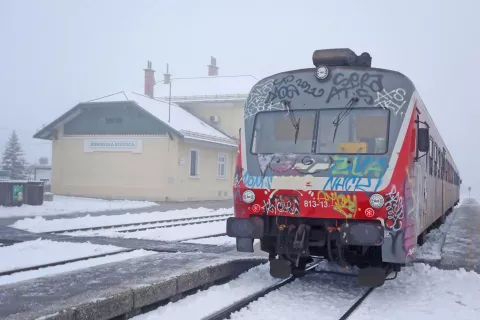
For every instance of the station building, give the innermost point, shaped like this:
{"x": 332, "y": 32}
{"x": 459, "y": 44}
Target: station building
{"x": 138, "y": 146}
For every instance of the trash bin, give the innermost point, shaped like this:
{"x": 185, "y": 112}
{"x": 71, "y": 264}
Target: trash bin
{"x": 12, "y": 193}
{"x": 34, "y": 194}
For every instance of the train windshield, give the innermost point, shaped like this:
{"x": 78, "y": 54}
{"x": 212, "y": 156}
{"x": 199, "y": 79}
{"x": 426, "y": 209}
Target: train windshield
{"x": 324, "y": 131}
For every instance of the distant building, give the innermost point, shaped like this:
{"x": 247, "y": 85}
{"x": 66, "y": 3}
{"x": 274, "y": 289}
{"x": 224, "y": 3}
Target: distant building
{"x": 5, "y": 175}
{"x": 131, "y": 146}
{"x": 42, "y": 173}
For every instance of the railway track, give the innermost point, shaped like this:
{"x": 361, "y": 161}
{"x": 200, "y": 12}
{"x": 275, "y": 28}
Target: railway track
{"x": 226, "y": 312}
{"x": 123, "y": 225}
{"x": 204, "y": 237}
{"x": 62, "y": 262}
{"x": 172, "y": 225}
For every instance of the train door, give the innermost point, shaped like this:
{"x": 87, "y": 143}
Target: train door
{"x": 423, "y": 167}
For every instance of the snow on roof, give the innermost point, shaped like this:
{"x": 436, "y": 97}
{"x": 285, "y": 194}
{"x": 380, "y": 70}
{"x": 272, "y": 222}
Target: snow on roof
{"x": 206, "y": 86}
{"x": 181, "y": 120}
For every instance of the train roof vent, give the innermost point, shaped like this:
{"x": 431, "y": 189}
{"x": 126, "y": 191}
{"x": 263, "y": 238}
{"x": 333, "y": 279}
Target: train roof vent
{"x": 341, "y": 57}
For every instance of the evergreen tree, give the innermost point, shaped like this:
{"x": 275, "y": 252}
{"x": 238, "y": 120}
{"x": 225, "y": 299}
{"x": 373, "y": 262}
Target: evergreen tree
{"x": 13, "y": 160}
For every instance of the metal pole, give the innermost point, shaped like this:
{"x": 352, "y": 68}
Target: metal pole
{"x": 169, "y": 100}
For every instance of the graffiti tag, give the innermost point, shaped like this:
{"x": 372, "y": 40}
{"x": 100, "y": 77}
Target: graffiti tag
{"x": 344, "y": 203}
{"x": 286, "y": 203}
{"x": 393, "y": 100}
{"x": 264, "y": 181}
{"x": 359, "y": 167}
{"x": 394, "y": 206}
{"x": 363, "y": 86}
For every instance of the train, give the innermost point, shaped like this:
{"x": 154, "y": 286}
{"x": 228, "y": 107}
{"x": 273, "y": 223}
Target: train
{"x": 340, "y": 161}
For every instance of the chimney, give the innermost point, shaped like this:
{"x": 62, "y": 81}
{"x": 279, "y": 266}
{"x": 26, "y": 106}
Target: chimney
{"x": 212, "y": 67}
{"x": 149, "y": 80}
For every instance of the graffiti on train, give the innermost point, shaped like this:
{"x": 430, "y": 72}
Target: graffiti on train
{"x": 359, "y": 166}
{"x": 395, "y": 209}
{"x": 346, "y": 204}
{"x": 361, "y": 85}
{"x": 250, "y": 181}
{"x": 291, "y": 86}
{"x": 393, "y": 100}
{"x": 356, "y": 174}
{"x": 278, "y": 163}
{"x": 257, "y": 99}
{"x": 285, "y": 203}
{"x": 372, "y": 88}
{"x": 270, "y": 94}
{"x": 308, "y": 165}
{"x": 292, "y": 164}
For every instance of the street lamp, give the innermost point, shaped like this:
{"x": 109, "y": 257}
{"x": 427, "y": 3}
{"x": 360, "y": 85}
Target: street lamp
{"x": 167, "y": 80}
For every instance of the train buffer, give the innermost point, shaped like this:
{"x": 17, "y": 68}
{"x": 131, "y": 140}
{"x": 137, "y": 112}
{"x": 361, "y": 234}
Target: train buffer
{"x": 462, "y": 242}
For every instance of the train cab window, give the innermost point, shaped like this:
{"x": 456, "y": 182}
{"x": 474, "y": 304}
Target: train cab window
{"x": 275, "y": 132}
{"x": 362, "y": 130}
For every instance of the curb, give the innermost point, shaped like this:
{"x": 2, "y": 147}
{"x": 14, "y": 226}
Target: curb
{"x": 128, "y": 302}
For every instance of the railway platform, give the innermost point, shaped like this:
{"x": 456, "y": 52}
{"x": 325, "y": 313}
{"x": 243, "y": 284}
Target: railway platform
{"x": 118, "y": 289}
{"x": 462, "y": 242}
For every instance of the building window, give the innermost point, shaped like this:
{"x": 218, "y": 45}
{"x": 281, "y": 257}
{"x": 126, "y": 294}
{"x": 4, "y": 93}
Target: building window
{"x": 113, "y": 120}
{"x": 222, "y": 165}
{"x": 193, "y": 163}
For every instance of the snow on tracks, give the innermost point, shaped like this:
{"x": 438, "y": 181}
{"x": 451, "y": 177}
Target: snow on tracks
{"x": 40, "y": 224}
{"x": 68, "y": 205}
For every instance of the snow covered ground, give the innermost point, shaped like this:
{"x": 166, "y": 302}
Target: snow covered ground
{"x": 39, "y": 224}
{"x": 419, "y": 292}
{"x": 163, "y": 234}
{"x": 37, "y": 252}
{"x": 431, "y": 250}
{"x": 205, "y": 302}
{"x": 33, "y": 274}
{"x": 66, "y": 205}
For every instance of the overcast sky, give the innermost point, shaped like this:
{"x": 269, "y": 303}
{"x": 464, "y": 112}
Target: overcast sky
{"x": 55, "y": 54}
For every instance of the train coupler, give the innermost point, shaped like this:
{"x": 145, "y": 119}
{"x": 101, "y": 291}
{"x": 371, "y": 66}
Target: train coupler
{"x": 300, "y": 236}
{"x": 293, "y": 240}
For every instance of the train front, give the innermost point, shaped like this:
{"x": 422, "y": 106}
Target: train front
{"x": 318, "y": 164}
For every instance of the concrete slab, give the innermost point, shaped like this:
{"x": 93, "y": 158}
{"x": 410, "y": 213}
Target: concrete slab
{"x": 110, "y": 290}
{"x": 462, "y": 243}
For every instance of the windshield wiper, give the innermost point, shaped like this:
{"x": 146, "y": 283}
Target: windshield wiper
{"x": 343, "y": 114}
{"x": 293, "y": 120}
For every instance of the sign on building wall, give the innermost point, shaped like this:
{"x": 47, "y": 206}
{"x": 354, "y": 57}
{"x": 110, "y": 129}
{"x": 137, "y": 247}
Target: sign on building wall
{"x": 112, "y": 145}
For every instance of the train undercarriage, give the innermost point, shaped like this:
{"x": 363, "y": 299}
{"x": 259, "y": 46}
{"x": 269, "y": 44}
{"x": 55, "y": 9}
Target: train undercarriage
{"x": 292, "y": 243}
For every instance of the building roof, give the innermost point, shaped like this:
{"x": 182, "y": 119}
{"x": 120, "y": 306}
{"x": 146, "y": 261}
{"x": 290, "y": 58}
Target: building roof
{"x": 181, "y": 121}
{"x": 206, "y": 88}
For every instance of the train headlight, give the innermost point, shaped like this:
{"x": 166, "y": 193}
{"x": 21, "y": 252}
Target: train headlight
{"x": 376, "y": 201}
{"x": 248, "y": 196}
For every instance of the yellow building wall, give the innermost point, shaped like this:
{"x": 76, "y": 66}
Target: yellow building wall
{"x": 113, "y": 175}
{"x": 231, "y": 118}
{"x": 160, "y": 173}
{"x": 207, "y": 185}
